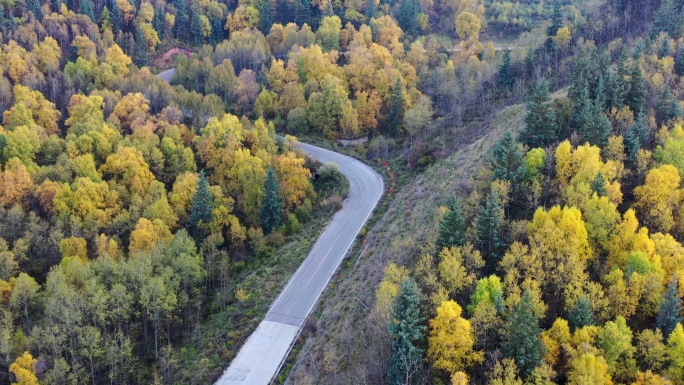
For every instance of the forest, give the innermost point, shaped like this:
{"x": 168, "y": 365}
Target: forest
{"x": 142, "y": 223}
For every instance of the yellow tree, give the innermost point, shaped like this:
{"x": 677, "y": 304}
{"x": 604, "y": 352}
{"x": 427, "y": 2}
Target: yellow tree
{"x": 15, "y": 183}
{"x": 23, "y": 370}
{"x": 588, "y": 369}
{"x": 147, "y": 233}
{"x": 658, "y": 197}
{"x": 128, "y": 167}
{"x": 294, "y": 179}
{"x": 450, "y": 344}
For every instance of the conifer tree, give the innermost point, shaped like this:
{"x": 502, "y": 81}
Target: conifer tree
{"x": 395, "y": 113}
{"x": 141, "y": 55}
{"x": 664, "y": 49}
{"x": 218, "y": 33}
{"x": 489, "y": 224}
{"x": 581, "y": 314}
{"x": 666, "y": 107}
{"x": 371, "y": 9}
{"x": 158, "y": 22}
{"x": 620, "y": 86}
{"x": 266, "y": 16}
{"x": 34, "y": 6}
{"x": 598, "y": 185}
{"x": 522, "y": 336}
{"x": 196, "y": 32}
{"x": 636, "y": 137}
{"x": 506, "y": 77}
{"x": 667, "y": 19}
{"x": 506, "y": 160}
{"x": 679, "y": 61}
{"x": 408, "y": 16}
{"x": 670, "y": 312}
{"x": 556, "y": 24}
{"x": 540, "y": 123}
{"x": 452, "y": 227}
{"x": 117, "y": 19}
{"x": 302, "y": 12}
{"x": 329, "y": 11}
{"x": 105, "y": 18}
{"x": 86, "y": 8}
{"x": 636, "y": 97}
{"x": 271, "y": 206}
{"x": 407, "y": 333}
{"x": 201, "y": 208}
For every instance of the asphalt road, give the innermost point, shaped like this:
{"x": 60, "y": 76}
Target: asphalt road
{"x": 260, "y": 358}
{"x": 167, "y": 75}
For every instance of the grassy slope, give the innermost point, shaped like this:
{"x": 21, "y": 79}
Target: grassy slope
{"x": 345, "y": 344}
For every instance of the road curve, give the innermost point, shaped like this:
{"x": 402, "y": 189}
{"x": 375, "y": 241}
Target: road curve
{"x": 262, "y": 355}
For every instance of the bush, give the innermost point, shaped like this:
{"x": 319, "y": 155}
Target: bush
{"x": 303, "y": 212}
{"x": 296, "y": 121}
{"x": 292, "y": 225}
{"x": 333, "y": 203}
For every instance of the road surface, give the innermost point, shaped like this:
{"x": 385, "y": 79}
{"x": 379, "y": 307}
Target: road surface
{"x": 167, "y": 75}
{"x": 260, "y": 358}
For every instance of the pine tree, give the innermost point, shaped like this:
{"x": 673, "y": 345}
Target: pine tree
{"x": 105, "y": 18}
{"x": 196, "y": 32}
{"x": 636, "y": 97}
{"x": 34, "y": 6}
{"x": 489, "y": 224}
{"x": 636, "y": 137}
{"x": 158, "y": 22}
{"x": 407, "y": 333}
{"x": 87, "y": 8}
{"x": 556, "y": 20}
{"x": 620, "y": 84}
{"x": 667, "y": 106}
{"x": 117, "y": 18}
{"x": 141, "y": 56}
{"x": 271, "y": 206}
{"x": 506, "y": 160}
{"x": 666, "y": 19}
{"x": 452, "y": 227}
{"x": 218, "y": 33}
{"x": 302, "y": 12}
{"x": 201, "y": 208}
{"x": 506, "y": 77}
{"x": 581, "y": 314}
{"x": 522, "y": 332}
{"x": 395, "y": 113}
{"x": 55, "y": 5}
{"x": 540, "y": 123}
{"x": 592, "y": 123}
{"x": 670, "y": 312}
{"x": 266, "y": 15}
{"x": 665, "y": 48}
{"x": 679, "y": 61}
{"x": 598, "y": 185}
{"x": 408, "y": 16}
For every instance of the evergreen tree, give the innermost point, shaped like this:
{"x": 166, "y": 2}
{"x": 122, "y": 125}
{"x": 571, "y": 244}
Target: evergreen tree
{"x": 452, "y": 227}
{"x": 34, "y": 6}
{"x": 665, "y": 48}
{"x": 636, "y": 97}
{"x": 371, "y": 9}
{"x": 218, "y": 33}
{"x": 302, "y": 11}
{"x": 636, "y": 137}
{"x": 408, "y": 16}
{"x": 679, "y": 61}
{"x": 329, "y": 11}
{"x": 407, "y": 333}
{"x": 87, "y": 8}
{"x": 620, "y": 84}
{"x": 141, "y": 56}
{"x": 540, "y": 123}
{"x": 598, "y": 185}
{"x": 395, "y": 113}
{"x": 506, "y": 76}
{"x": 196, "y": 32}
{"x": 667, "y": 106}
{"x": 581, "y": 314}
{"x": 506, "y": 160}
{"x": 667, "y": 19}
{"x": 271, "y": 206}
{"x": 556, "y": 24}
{"x": 55, "y": 5}
{"x": 117, "y": 18}
{"x": 670, "y": 312}
{"x": 284, "y": 14}
{"x": 592, "y": 123}
{"x": 266, "y": 15}
{"x": 522, "y": 336}
{"x": 489, "y": 224}
{"x": 201, "y": 208}
{"x": 158, "y": 22}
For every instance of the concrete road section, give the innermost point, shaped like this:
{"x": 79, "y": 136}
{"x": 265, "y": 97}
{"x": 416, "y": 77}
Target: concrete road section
{"x": 260, "y": 358}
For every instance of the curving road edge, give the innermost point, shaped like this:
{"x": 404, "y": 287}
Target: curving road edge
{"x": 265, "y": 351}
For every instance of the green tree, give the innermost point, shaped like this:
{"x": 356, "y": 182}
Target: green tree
{"x": 266, "y": 16}
{"x": 371, "y": 9}
{"x": 159, "y": 22}
{"x": 489, "y": 224}
{"x": 196, "y": 31}
{"x": 679, "y": 61}
{"x": 408, "y": 16}
{"x": 636, "y": 97}
{"x": 636, "y": 136}
{"x": 117, "y": 18}
{"x": 556, "y": 24}
{"x": 666, "y": 106}
{"x": 86, "y": 8}
{"x": 667, "y": 19}
{"x": 141, "y": 57}
{"x": 452, "y": 226}
{"x": 670, "y": 312}
{"x": 581, "y": 314}
{"x": 271, "y": 206}
{"x": 540, "y": 123}
{"x": 598, "y": 185}
{"x": 506, "y": 77}
{"x": 523, "y": 331}
{"x": 202, "y": 205}
{"x": 407, "y": 333}
{"x": 506, "y": 160}
{"x": 395, "y": 113}
{"x": 105, "y": 18}
{"x": 664, "y": 49}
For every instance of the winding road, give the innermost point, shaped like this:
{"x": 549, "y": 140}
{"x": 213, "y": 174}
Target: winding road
{"x": 264, "y": 352}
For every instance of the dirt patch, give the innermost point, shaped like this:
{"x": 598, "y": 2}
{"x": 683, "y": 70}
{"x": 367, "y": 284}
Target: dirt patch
{"x": 168, "y": 58}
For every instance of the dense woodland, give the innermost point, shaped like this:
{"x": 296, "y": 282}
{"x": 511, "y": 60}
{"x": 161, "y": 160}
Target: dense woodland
{"x": 131, "y": 209}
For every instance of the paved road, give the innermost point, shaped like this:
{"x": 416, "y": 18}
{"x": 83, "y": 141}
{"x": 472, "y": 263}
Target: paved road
{"x": 260, "y": 358}
{"x": 167, "y": 75}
